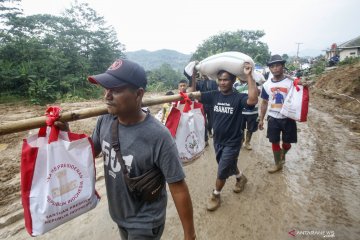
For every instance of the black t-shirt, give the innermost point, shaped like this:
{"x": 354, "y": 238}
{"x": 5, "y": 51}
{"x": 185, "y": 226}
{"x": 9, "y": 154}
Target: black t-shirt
{"x": 227, "y": 116}
{"x": 205, "y": 86}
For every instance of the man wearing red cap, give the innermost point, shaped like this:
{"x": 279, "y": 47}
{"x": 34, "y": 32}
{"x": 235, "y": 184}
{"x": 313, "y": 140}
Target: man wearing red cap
{"x": 145, "y": 144}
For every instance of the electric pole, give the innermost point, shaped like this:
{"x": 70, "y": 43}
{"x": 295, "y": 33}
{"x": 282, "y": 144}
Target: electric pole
{"x": 297, "y": 54}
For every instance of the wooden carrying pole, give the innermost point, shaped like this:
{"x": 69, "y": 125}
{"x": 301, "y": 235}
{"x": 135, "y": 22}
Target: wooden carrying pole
{"x": 27, "y": 124}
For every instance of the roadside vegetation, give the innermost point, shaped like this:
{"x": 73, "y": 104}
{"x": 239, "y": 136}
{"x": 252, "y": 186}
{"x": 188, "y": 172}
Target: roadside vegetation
{"x": 46, "y": 58}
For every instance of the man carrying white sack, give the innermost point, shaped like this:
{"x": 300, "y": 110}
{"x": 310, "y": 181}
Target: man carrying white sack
{"x": 227, "y": 105}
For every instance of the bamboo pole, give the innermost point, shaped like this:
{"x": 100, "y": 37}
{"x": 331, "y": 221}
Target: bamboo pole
{"x": 32, "y": 123}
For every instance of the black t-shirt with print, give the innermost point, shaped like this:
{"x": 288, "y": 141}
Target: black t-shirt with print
{"x": 227, "y": 115}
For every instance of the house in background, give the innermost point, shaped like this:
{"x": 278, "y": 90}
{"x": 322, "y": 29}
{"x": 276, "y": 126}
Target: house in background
{"x": 332, "y": 52}
{"x": 350, "y": 48}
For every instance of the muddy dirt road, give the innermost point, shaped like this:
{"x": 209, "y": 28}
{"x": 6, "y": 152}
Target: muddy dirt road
{"x": 316, "y": 195}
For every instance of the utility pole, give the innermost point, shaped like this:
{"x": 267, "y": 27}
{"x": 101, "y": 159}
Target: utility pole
{"x": 297, "y": 54}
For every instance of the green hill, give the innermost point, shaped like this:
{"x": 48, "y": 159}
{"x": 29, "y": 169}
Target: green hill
{"x": 152, "y": 60}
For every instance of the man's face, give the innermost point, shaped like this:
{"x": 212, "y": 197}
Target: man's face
{"x": 277, "y": 69}
{"x": 243, "y": 80}
{"x": 225, "y": 82}
{"x": 182, "y": 87}
{"x": 122, "y": 101}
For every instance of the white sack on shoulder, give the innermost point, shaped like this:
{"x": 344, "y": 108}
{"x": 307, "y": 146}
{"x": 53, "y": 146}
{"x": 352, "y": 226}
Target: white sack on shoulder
{"x": 189, "y": 69}
{"x": 232, "y": 62}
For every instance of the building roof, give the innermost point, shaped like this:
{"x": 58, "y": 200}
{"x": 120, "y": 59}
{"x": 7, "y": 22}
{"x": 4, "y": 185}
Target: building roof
{"x": 353, "y": 43}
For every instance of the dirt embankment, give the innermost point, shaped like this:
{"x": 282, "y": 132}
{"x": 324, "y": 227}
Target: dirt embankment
{"x": 337, "y": 92}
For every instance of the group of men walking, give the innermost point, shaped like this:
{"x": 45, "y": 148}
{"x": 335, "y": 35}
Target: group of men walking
{"x": 236, "y": 118}
{"x": 145, "y": 143}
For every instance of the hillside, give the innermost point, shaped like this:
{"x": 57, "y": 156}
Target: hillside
{"x": 152, "y": 60}
{"x": 337, "y": 91}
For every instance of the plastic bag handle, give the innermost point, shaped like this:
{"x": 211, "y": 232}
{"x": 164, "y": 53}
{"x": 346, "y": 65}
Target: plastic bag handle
{"x": 52, "y": 113}
{"x": 187, "y": 101}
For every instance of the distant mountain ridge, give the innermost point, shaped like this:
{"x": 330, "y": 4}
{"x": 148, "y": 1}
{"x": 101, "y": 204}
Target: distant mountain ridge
{"x": 154, "y": 59}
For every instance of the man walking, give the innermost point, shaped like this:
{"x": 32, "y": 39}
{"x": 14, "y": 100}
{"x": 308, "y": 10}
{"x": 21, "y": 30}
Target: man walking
{"x": 250, "y": 116}
{"x": 227, "y": 105}
{"x": 145, "y": 144}
{"x": 279, "y": 127}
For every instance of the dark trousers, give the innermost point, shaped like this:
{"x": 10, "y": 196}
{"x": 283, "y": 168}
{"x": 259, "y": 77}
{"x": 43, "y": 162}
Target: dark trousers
{"x": 141, "y": 234}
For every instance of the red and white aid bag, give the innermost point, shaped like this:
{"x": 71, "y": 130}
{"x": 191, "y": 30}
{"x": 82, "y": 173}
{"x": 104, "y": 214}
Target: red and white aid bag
{"x": 57, "y": 177}
{"x": 296, "y": 103}
{"x": 186, "y": 123}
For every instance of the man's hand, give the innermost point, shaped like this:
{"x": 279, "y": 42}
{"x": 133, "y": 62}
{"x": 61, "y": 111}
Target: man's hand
{"x": 247, "y": 68}
{"x": 63, "y": 126}
{"x": 183, "y": 204}
{"x": 261, "y": 124}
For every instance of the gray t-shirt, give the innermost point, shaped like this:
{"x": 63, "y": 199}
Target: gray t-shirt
{"x": 143, "y": 146}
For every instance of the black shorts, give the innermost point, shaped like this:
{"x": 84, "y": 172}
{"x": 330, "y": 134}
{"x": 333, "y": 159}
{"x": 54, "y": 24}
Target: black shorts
{"x": 286, "y": 127}
{"x": 227, "y": 158}
{"x": 250, "y": 122}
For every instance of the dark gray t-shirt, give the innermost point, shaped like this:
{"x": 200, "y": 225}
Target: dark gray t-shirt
{"x": 143, "y": 146}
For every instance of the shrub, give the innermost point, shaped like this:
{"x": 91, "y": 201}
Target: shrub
{"x": 349, "y": 60}
{"x": 41, "y": 91}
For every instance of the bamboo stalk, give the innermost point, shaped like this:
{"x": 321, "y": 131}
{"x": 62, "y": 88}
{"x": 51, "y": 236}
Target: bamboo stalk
{"x": 32, "y": 123}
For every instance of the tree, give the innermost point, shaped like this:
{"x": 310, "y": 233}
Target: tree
{"x": 163, "y": 78}
{"x": 242, "y": 41}
{"x": 60, "y": 52}
{"x": 9, "y": 9}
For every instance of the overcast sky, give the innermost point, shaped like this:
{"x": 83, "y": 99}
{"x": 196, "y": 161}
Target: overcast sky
{"x": 182, "y": 25}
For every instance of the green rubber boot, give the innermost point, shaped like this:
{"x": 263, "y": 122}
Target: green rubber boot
{"x": 278, "y": 166}
{"x": 247, "y": 140}
{"x": 282, "y": 156}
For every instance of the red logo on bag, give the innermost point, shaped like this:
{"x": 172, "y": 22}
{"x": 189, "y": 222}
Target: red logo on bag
{"x": 191, "y": 143}
{"x": 59, "y": 176}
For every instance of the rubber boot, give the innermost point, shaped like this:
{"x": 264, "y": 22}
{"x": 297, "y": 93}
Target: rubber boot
{"x": 247, "y": 140}
{"x": 242, "y": 140}
{"x": 278, "y": 166}
{"x": 282, "y": 157}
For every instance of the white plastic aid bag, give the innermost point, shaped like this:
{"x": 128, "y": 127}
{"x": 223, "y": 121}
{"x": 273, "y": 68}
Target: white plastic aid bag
{"x": 296, "y": 103}
{"x": 57, "y": 179}
{"x": 187, "y": 126}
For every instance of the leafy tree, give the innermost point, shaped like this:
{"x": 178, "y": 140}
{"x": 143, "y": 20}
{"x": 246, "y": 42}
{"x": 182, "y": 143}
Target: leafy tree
{"x": 242, "y": 41}
{"x": 41, "y": 91}
{"x": 9, "y": 9}
{"x": 285, "y": 57}
{"x": 163, "y": 78}
{"x": 60, "y": 52}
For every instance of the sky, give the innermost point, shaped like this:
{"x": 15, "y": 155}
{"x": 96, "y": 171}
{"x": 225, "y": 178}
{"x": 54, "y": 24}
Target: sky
{"x": 291, "y": 26}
